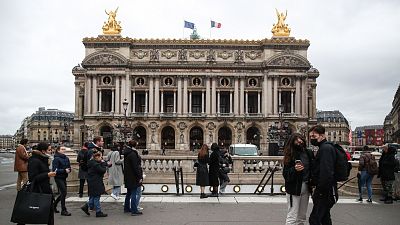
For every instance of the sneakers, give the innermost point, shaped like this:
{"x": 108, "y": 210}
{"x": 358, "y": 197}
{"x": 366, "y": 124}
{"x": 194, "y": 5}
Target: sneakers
{"x": 369, "y": 200}
{"x": 139, "y": 208}
{"x": 101, "y": 214}
{"x": 114, "y": 196}
{"x": 85, "y": 209}
{"x": 65, "y": 213}
{"x": 56, "y": 210}
{"x": 136, "y": 213}
{"x": 359, "y": 200}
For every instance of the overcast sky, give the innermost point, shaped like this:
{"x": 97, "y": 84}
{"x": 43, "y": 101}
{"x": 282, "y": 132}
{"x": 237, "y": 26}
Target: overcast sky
{"x": 355, "y": 45}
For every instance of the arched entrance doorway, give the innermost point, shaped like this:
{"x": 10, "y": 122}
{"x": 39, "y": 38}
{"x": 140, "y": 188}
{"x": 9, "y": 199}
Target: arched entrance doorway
{"x": 140, "y": 135}
{"x": 106, "y": 133}
{"x": 196, "y": 138}
{"x": 253, "y": 136}
{"x": 224, "y": 137}
{"x": 168, "y": 138}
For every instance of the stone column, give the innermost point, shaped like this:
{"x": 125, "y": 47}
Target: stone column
{"x": 246, "y": 107}
{"x": 162, "y": 102}
{"x": 77, "y": 100}
{"x": 179, "y": 95}
{"x": 275, "y": 110}
{"x": 279, "y": 99}
{"x": 128, "y": 92}
{"x": 123, "y": 89}
{"x": 151, "y": 96}
{"x": 155, "y": 97}
{"x": 174, "y": 101}
{"x": 230, "y": 102}
{"x": 185, "y": 96}
{"x": 146, "y": 110}
{"x": 117, "y": 95}
{"x": 213, "y": 96}
{"x": 264, "y": 95}
{"x": 304, "y": 96}
{"x": 314, "y": 103}
{"x": 258, "y": 103}
{"x": 88, "y": 85}
{"x": 112, "y": 101}
{"x": 94, "y": 94}
{"x": 202, "y": 101}
{"x": 270, "y": 96}
{"x": 236, "y": 97}
{"x": 291, "y": 101}
{"x": 241, "y": 107}
{"x": 134, "y": 101}
{"x": 99, "y": 105}
{"x": 218, "y": 101}
{"x": 297, "y": 96}
{"x": 190, "y": 102}
{"x": 208, "y": 96}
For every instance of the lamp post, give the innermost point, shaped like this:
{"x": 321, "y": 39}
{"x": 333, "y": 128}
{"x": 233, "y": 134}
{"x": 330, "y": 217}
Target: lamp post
{"x": 125, "y": 129}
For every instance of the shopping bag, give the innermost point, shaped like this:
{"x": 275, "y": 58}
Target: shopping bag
{"x": 31, "y": 207}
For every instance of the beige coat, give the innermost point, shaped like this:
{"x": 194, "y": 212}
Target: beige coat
{"x": 21, "y": 159}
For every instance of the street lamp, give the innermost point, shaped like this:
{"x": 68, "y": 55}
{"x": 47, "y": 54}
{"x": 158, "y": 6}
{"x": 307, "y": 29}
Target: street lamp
{"x": 125, "y": 129}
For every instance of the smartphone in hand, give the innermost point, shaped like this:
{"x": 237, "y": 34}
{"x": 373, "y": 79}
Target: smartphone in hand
{"x": 298, "y": 162}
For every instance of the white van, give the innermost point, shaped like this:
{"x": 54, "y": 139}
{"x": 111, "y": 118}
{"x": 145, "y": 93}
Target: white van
{"x": 243, "y": 150}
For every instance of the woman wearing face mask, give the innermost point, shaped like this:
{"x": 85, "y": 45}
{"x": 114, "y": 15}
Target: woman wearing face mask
{"x": 62, "y": 167}
{"x": 297, "y": 173}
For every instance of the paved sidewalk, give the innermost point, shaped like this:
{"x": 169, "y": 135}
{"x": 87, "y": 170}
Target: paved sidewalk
{"x": 226, "y": 210}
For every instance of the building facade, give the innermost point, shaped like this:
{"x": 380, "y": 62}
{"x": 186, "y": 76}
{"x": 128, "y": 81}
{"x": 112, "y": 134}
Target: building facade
{"x": 392, "y": 121}
{"x": 7, "y": 142}
{"x": 180, "y": 94}
{"x": 372, "y": 135}
{"x": 336, "y": 126}
{"x": 48, "y": 125}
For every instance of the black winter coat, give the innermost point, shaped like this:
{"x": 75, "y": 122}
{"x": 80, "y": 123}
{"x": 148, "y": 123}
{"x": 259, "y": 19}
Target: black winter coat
{"x": 92, "y": 148}
{"x": 215, "y": 165}
{"x": 323, "y": 174}
{"x": 38, "y": 169}
{"x": 202, "y": 178}
{"x": 61, "y": 162}
{"x": 387, "y": 166}
{"x": 83, "y": 159}
{"x": 133, "y": 172}
{"x": 293, "y": 178}
{"x": 96, "y": 171}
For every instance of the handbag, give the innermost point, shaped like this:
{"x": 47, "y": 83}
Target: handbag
{"x": 196, "y": 163}
{"x": 32, "y": 207}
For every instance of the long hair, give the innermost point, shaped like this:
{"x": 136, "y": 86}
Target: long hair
{"x": 290, "y": 147}
{"x": 203, "y": 151}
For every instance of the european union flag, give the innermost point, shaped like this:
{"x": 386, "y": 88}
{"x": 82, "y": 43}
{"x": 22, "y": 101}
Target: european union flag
{"x": 188, "y": 25}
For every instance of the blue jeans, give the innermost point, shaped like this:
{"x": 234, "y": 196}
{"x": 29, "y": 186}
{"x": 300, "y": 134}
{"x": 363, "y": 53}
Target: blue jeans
{"x": 116, "y": 190}
{"x": 366, "y": 178}
{"x": 94, "y": 202}
{"x": 131, "y": 201}
{"x": 138, "y": 195}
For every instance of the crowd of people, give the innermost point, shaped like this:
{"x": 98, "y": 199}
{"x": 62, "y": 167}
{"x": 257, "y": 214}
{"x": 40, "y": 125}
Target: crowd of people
{"x": 306, "y": 173}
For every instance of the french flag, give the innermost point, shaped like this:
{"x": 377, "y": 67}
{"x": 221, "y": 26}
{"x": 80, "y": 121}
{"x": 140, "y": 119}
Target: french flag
{"x": 215, "y": 24}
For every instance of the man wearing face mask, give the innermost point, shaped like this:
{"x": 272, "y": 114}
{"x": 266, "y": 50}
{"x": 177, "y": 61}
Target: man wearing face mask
{"x": 323, "y": 177}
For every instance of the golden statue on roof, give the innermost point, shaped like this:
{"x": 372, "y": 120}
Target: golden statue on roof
{"x": 112, "y": 26}
{"x": 281, "y": 29}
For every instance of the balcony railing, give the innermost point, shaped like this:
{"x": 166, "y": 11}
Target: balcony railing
{"x": 224, "y": 114}
{"x": 197, "y": 115}
{"x": 254, "y": 115}
{"x": 105, "y": 114}
{"x": 138, "y": 114}
{"x": 167, "y": 115}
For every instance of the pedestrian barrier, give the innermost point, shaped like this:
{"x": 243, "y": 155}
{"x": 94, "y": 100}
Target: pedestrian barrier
{"x": 260, "y": 187}
{"x": 178, "y": 173}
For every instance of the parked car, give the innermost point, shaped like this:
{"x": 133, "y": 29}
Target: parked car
{"x": 356, "y": 155}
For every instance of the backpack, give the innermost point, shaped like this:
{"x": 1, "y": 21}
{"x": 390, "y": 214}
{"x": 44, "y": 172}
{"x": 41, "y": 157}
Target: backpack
{"x": 372, "y": 166}
{"x": 342, "y": 165}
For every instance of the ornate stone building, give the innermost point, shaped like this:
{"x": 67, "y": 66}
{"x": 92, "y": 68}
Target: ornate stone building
{"x": 7, "y": 142}
{"x": 181, "y": 94}
{"x": 336, "y": 126}
{"x": 392, "y": 121}
{"x": 49, "y": 125}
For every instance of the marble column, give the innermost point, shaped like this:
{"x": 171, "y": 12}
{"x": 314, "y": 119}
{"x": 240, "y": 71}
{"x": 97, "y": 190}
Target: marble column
{"x": 236, "y": 97}
{"x": 87, "y": 97}
{"x": 258, "y": 102}
{"x": 190, "y": 102}
{"x": 241, "y": 107}
{"x": 94, "y": 94}
{"x": 146, "y": 98}
{"x": 117, "y": 95}
{"x": 297, "y": 96}
{"x": 208, "y": 95}
{"x": 179, "y": 95}
{"x": 162, "y": 102}
{"x": 291, "y": 101}
{"x": 213, "y": 96}
{"x": 174, "y": 101}
{"x": 128, "y": 92}
{"x": 202, "y": 101}
{"x": 275, "y": 112}
{"x": 151, "y": 96}
{"x": 264, "y": 95}
{"x": 230, "y": 102}
{"x": 246, "y": 106}
{"x": 218, "y": 101}
{"x": 185, "y": 96}
{"x": 133, "y": 102}
{"x": 112, "y": 101}
{"x": 99, "y": 105}
{"x": 155, "y": 97}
